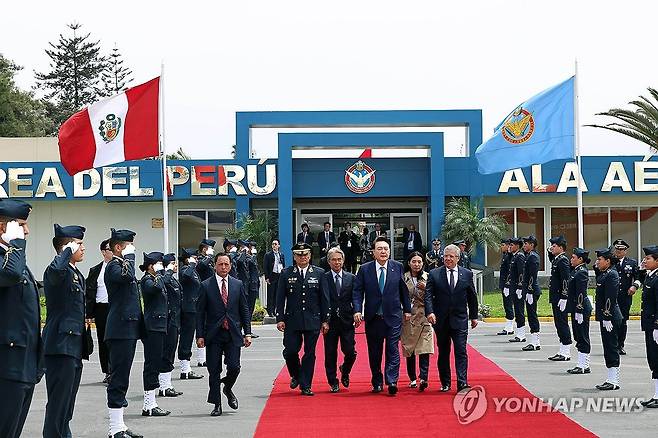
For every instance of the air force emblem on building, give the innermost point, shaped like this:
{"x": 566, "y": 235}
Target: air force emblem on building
{"x": 359, "y": 177}
{"x": 109, "y": 127}
{"x": 519, "y": 126}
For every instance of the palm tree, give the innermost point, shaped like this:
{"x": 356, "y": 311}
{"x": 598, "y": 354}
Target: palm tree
{"x": 640, "y": 124}
{"x": 259, "y": 227}
{"x": 463, "y": 221}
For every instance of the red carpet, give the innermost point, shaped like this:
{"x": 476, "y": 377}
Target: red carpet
{"x": 356, "y": 412}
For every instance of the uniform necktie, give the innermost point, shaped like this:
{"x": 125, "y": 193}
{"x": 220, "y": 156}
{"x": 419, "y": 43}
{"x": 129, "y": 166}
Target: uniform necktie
{"x": 338, "y": 284}
{"x": 452, "y": 279}
{"x": 225, "y": 300}
{"x": 382, "y": 279}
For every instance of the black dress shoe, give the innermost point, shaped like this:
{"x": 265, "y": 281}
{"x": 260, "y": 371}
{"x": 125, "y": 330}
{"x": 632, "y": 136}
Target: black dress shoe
{"x": 106, "y": 380}
{"x": 579, "y": 370}
{"x": 559, "y": 358}
{"x": 423, "y": 385}
{"x": 217, "y": 411}
{"x": 517, "y": 339}
{"x": 169, "y": 392}
{"x": 651, "y": 403}
{"x": 307, "y": 392}
{"x": 445, "y": 388}
{"x": 334, "y": 387}
{"x": 531, "y": 347}
{"x": 155, "y": 412}
{"x": 344, "y": 378}
{"x": 190, "y": 376}
{"x": 294, "y": 383}
{"x": 377, "y": 388}
{"x": 460, "y": 388}
{"x": 622, "y": 351}
{"x": 253, "y": 336}
{"x": 132, "y": 434}
{"x": 392, "y": 389}
{"x": 607, "y": 386}
{"x": 201, "y": 364}
{"x": 504, "y": 332}
{"x": 232, "y": 399}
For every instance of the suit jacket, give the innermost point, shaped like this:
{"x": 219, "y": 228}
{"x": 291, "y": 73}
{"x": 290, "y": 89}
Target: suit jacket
{"x": 212, "y": 311}
{"x": 125, "y": 319}
{"x": 350, "y": 249}
{"x": 393, "y": 301}
{"x": 268, "y": 263}
{"x": 190, "y": 287}
{"x": 91, "y": 288}
{"x": 373, "y": 235}
{"x": 303, "y": 304}
{"x": 322, "y": 242}
{"x": 64, "y": 288}
{"x": 309, "y": 238}
{"x": 454, "y": 307}
{"x": 341, "y": 304}
{"x": 21, "y": 349}
{"x": 417, "y": 242}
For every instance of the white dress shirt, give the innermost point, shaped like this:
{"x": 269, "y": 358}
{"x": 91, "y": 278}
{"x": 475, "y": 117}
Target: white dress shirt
{"x": 101, "y": 290}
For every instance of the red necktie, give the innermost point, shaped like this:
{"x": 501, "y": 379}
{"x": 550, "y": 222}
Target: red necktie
{"x": 225, "y": 299}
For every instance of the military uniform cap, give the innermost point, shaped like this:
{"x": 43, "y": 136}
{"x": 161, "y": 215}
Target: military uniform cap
{"x": 123, "y": 235}
{"x": 151, "y": 259}
{"x": 459, "y": 242}
{"x": 186, "y": 253}
{"x": 74, "y": 231}
{"x": 228, "y": 242}
{"x": 620, "y": 244}
{"x": 208, "y": 242}
{"x": 605, "y": 253}
{"x": 651, "y": 250}
{"x": 516, "y": 240}
{"x": 505, "y": 241}
{"x": 531, "y": 239}
{"x": 436, "y": 240}
{"x": 301, "y": 248}
{"x": 558, "y": 240}
{"x": 583, "y": 254}
{"x": 15, "y": 209}
{"x": 168, "y": 258}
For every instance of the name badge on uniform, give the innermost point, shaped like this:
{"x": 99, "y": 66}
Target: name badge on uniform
{"x": 292, "y": 279}
{"x": 410, "y": 245}
{"x": 349, "y": 243}
{"x": 312, "y": 280}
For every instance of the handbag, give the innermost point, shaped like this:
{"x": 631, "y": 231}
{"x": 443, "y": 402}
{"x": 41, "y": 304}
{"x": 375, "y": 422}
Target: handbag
{"x": 88, "y": 343}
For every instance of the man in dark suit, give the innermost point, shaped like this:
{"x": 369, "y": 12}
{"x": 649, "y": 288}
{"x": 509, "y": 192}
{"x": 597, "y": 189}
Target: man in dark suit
{"x": 273, "y": 263}
{"x": 412, "y": 241}
{"x": 20, "y": 337}
{"x": 628, "y": 270}
{"x": 341, "y": 324}
{"x": 325, "y": 238}
{"x": 450, "y": 301}
{"x": 349, "y": 243}
{"x": 223, "y": 327}
{"x": 63, "y": 342}
{"x": 376, "y": 233}
{"x": 97, "y": 305}
{"x": 381, "y": 283}
{"x": 305, "y": 236}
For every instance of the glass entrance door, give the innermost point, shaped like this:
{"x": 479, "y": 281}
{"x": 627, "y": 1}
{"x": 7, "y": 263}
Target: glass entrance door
{"x": 400, "y": 222}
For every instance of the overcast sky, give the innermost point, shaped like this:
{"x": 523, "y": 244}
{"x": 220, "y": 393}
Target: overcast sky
{"x": 228, "y": 56}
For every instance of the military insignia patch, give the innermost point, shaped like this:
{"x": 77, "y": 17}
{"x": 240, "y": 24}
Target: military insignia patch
{"x": 109, "y": 127}
{"x": 359, "y": 177}
{"x": 519, "y": 126}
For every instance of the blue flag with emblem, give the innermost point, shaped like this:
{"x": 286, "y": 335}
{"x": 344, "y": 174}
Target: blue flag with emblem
{"x": 539, "y": 130}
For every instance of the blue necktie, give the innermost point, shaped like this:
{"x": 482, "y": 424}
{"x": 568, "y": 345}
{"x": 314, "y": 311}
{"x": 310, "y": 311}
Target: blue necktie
{"x": 382, "y": 279}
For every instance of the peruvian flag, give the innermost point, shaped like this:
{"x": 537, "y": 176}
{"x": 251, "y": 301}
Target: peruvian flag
{"x": 120, "y": 128}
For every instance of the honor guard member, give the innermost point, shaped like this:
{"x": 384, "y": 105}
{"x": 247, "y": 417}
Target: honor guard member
{"x": 649, "y": 317}
{"x": 231, "y": 248}
{"x": 125, "y": 324}
{"x": 173, "y": 289}
{"x": 20, "y": 320}
{"x": 514, "y": 286}
{"x": 205, "y": 267}
{"x": 302, "y": 311}
{"x": 582, "y": 309}
{"x": 254, "y": 278}
{"x": 531, "y": 290}
{"x": 190, "y": 287}
{"x": 508, "y": 302}
{"x": 464, "y": 258}
{"x": 63, "y": 342}
{"x": 154, "y": 294}
{"x": 608, "y": 315}
{"x": 628, "y": 273}
{"x": 558, "y": 295}
{"x": 434, "y": 257}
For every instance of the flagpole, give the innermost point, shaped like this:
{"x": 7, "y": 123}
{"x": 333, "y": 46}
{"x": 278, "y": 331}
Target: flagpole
{"x": 576, "y": 145}
{"x": 163, "y": 154}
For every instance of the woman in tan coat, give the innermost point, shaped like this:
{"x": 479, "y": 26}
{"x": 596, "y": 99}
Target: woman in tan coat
{"x": 417, "y": 335}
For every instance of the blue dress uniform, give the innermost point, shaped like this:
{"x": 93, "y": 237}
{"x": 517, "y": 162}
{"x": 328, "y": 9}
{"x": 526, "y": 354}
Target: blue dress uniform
{"x": 607, "y": 312}
{"x": 206, "y": 264}
{"x": 531, "y": 292}
{"x": 508, "y": 303}
{"x": 63, "y": 340}
{"x": 303, "y": 305}
{"x": 464, "y": 258}
{"x": 20, "y": 328}
{"x": 582, "y": 310}
{"x": 433, "y": 258}
{"x": 254, "y": 280}
{"x": 173, "y": 289}
{"x": 649, "y": 322}
{"x": 557, "y": 291}
{"x": 628, "y": 270}
{"x": 190, "y": 282}
{"x": 514, "y": 284}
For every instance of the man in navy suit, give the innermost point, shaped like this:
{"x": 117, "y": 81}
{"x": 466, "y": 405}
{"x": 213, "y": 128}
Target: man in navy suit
{"x": 305, "y": 236}
{"x": 386, "y": 295}
{"x": 325, "y": 238}
{"x": 223, "y": 326}
{"x": 448, "y": 292}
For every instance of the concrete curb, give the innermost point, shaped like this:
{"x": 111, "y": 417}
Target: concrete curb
{"x": 550, "y": 319}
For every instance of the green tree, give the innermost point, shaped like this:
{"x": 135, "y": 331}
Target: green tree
{"x": 116, "y": 76}
{"x": 259, "y": 227}
{"x": 463, "y": 221}
{"x": 179, "y": 155}
{"x": 74, "y": 79}
{"x": 640, "y": 123}
{"x": 21, "y": 115}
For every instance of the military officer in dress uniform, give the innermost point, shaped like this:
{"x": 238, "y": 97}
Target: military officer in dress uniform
{"x": 190, "y": 287}
{"x": 206, "y": 268}
{"x": 508, "y": 303}
{"x": 531, "y": 290}
{"x": 608, "y": 315}
{"x": 464, "y": 258}
{"x": 20, "y": 320}
{"x": 154, "y": 293}
{"x": 63, "y": 340}
{"x": 628, "y": 270}
{"x": 582, "y": 309}
{"x": 434, "y": 257}
{"x": 558, "y": 295}
{"x": 302, "y": 311}
{"x": 649, "y": 316}
{"x": 173, "y": 288}
{"x": 125, "y": 324}
{"x": 254, "y": 278}
{"x": 514, "y": 286}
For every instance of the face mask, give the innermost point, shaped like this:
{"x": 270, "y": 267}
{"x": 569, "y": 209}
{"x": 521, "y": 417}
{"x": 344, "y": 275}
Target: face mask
{"x": 254, "y": 251}
{"x": 234, "y": 249}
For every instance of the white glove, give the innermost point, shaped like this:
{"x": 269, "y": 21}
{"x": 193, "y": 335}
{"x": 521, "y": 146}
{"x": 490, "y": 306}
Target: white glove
{"x": 506, "y": 291}
{"x": 233, "y": 249}
{"x": 519, "y": 293}
{"x": 170, "y": 266}
{"x": 210, "y": 251}
{"x": 158, "y": 267}
{"x": 73, "y": 245}
{"x": 129, "y": 249}
{"x": 562, "y": 304}
{"x": 192, "y": 260}
{"x": 254, "y": 251}
{"x": 14, "y": 231}
{"x": 530, "y": 298}
{"x": 607, "y": 325}
{"x": 655, "y": 335}
{"x": 579, "y": 318}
